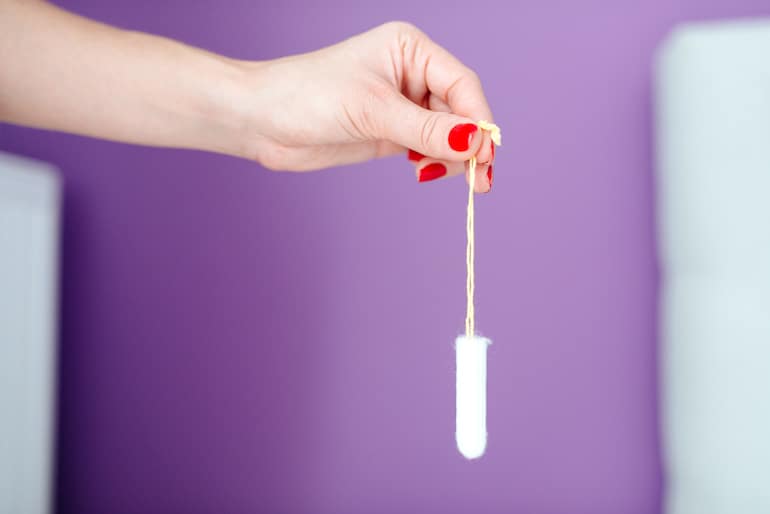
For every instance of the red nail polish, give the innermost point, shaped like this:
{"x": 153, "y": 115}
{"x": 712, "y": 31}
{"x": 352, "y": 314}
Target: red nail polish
{"x": 414, "y": 156}
{"x": 493, "y": 149}
{"x": 460, "y": 136}
{"x": 431, "y": 172}
{"x": 489, "y": 176}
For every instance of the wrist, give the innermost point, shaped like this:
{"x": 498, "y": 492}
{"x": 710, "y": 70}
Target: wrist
{"x": 230, "y": 110}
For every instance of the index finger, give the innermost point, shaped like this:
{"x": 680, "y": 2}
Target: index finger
{"x": 453, "y": 82}
{"x": 447, "y": 78}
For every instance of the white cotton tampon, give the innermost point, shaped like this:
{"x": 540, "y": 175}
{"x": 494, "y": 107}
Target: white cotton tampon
{"x": 471, "y": 395}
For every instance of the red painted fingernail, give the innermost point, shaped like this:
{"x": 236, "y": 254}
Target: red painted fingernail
{"x": 460, "y": 136}
{"x": 489, "y": 176}
{"x": 493, "y": 149}
{"x": 431, "y": 172}
{"x": 414, "y": 156}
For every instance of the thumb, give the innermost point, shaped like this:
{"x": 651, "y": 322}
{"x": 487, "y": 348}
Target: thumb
{"x": 440, "y": 135}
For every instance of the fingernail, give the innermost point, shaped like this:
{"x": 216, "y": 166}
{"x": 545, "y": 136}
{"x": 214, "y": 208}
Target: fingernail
{"x": 431, "y": 172}
{"x": 489, "y": 176}
{"x": 414, "y": 156}
{"x": 493, "y": 149}
{"x": 460, "y": 136}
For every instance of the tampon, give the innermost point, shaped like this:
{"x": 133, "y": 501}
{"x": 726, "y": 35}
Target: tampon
{"x": 471, "y": 395}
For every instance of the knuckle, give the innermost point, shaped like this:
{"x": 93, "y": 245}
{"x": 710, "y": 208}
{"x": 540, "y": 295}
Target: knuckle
{"x": 473, "y": 78}
{"x": 467, "y": 84}
{"x": 404, "y": 33}
{"x": 402, "y": 27}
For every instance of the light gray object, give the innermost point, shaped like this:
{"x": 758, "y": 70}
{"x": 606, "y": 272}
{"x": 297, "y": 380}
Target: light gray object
{"x": 29, "y": 221}
{"x": 713, "y": 177}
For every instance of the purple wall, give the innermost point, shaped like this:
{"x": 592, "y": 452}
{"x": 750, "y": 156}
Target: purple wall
{"x": 236, "y": 340}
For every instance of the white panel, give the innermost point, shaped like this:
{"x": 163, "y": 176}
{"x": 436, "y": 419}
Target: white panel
{"x": 713, "y": 163}
{"x": 29, "y": 207}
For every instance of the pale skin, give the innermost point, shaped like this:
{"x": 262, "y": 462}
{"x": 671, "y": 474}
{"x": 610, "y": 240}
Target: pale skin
{"x": 376, "y": 94}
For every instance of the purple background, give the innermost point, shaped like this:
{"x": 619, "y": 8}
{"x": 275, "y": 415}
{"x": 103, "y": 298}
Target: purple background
{"x": 237, "y": 340}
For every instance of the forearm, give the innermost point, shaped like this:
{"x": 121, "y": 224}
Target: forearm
{"x": 63, "y": 72}
{"x": 371, "y": 95}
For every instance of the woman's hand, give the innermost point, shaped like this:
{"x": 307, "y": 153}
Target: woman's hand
{"x": 387, "y": 91}
{"x": 376, "y": 94}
